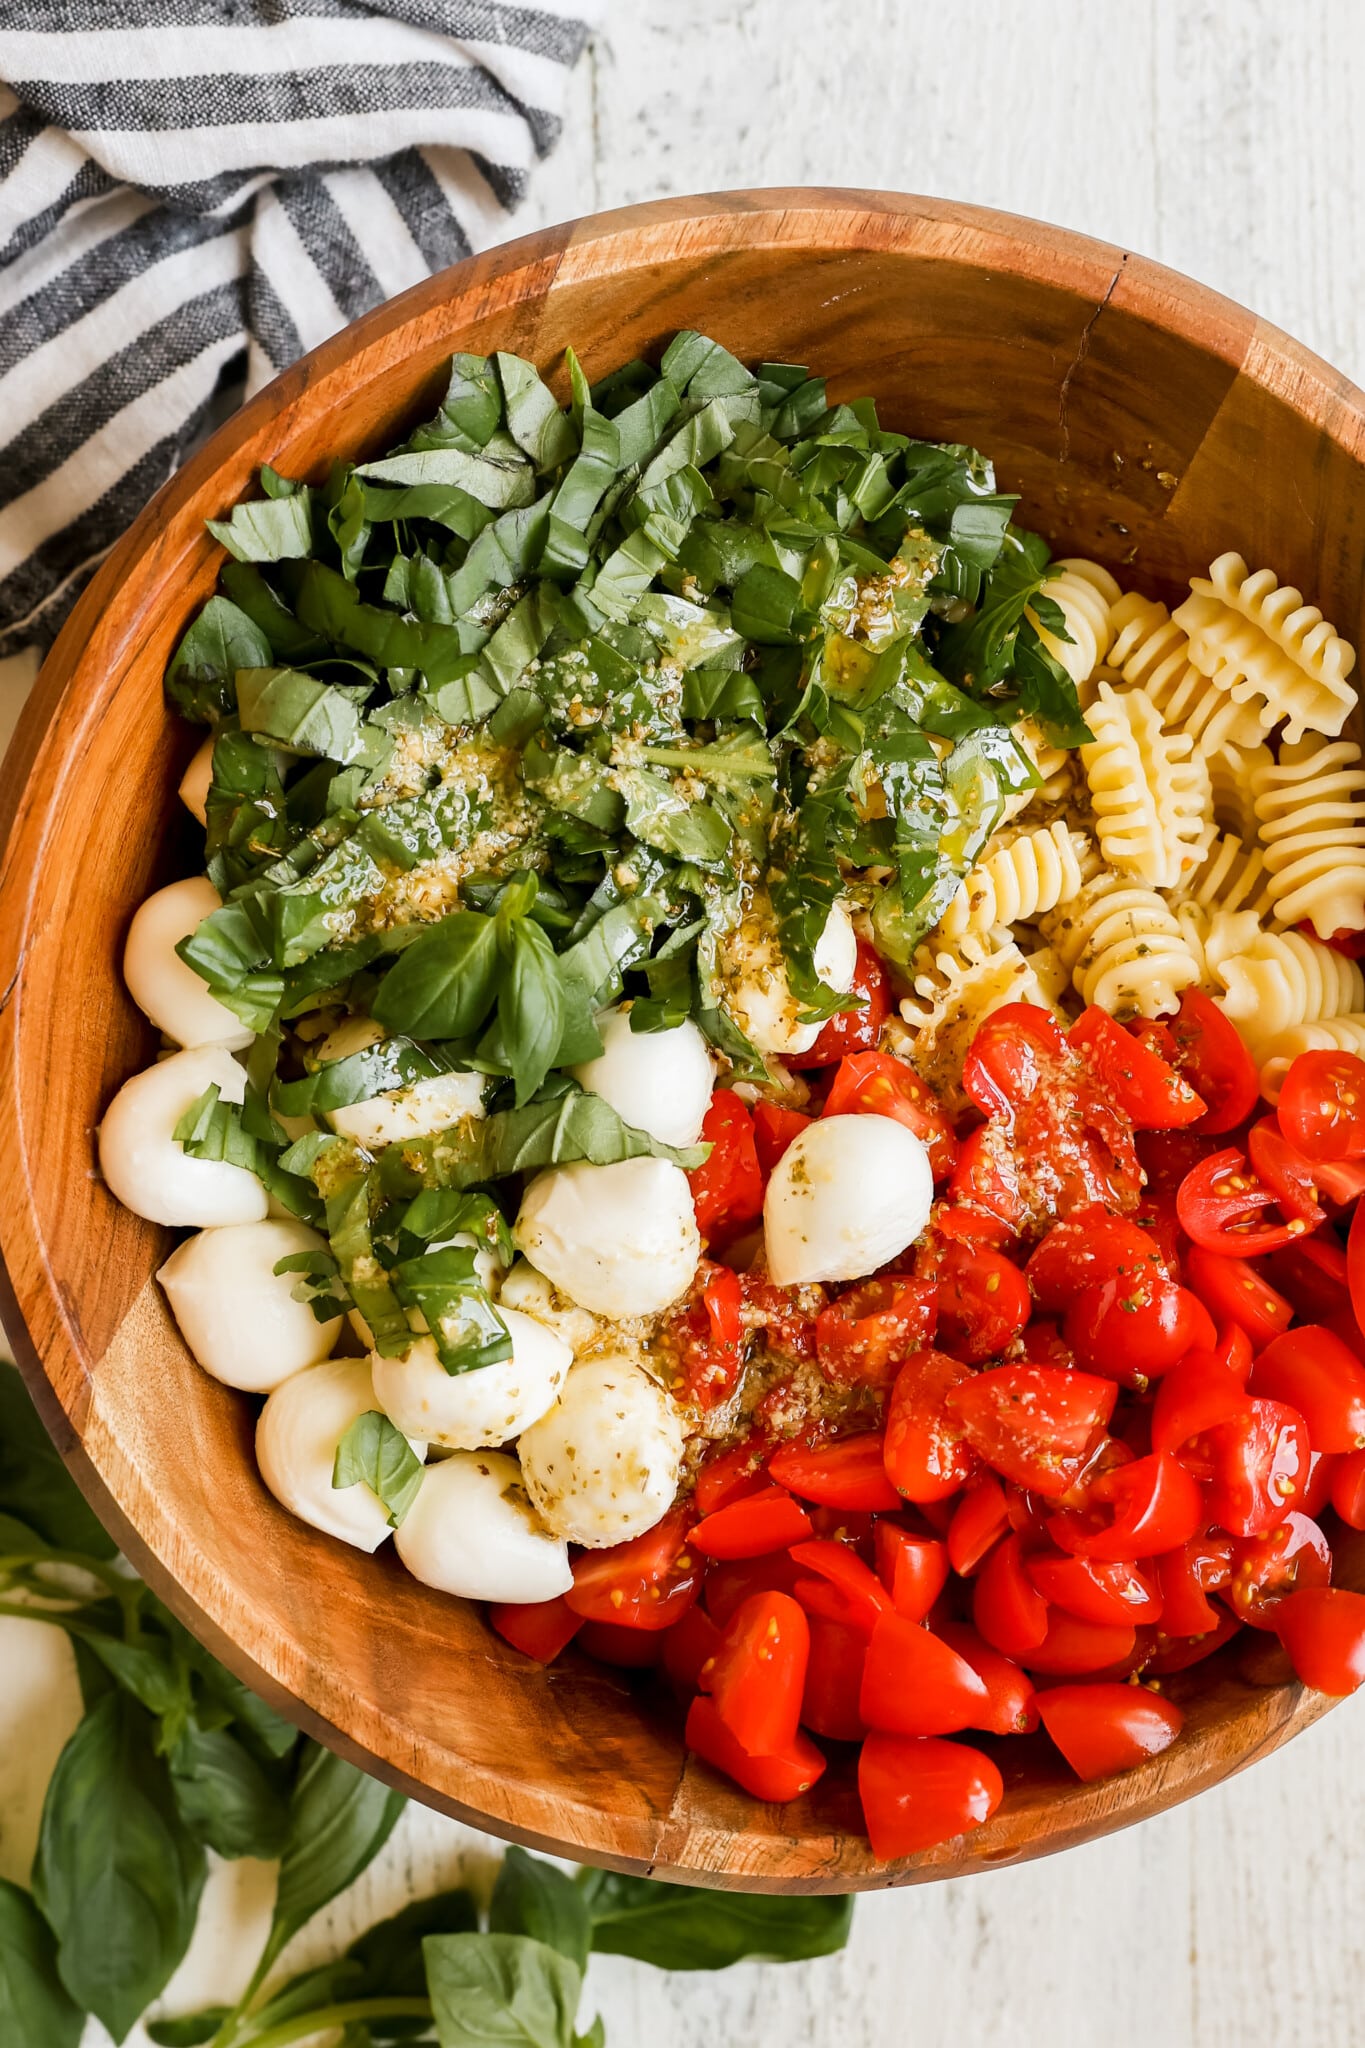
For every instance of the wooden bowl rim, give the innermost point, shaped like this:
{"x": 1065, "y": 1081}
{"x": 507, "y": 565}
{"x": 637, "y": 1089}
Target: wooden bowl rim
{"x": 48, "y": 742}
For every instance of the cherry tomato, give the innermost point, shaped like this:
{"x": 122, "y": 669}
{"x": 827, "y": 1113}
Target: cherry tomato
{"x": 687, "y": 1646}
{"x": 1008, "y": 1610}
{"x": 728, "y": 1585}
{"x": 1291, "y": 1179}
{"x": 1010, "y": 1700}
{"x": 1073, "y": 1647}
{"x": 1135, "y": 1510}
{"x": 1313, "y": 1276}
{"x": 1234, "y": 1290}
{"x": 1101, "y": 1729}
{"x": 1220, "y": 1201}
{"x": 986, "y": 1181}
{"x": 1317, "y": 1491}
{"x": 1266, "y": 1569}
{"x": 707, "y": 1335}
{"x": 760, "y": 1522}
{"x": 848, "y": 1474}
{"x": 1195, "y": 1395}
{"x": 1150, "y": 1093}
{"x": 926, "y": 1452}
{"x": 1355, "y": 1265}
{"x": 1346, "y": 940}
{"x": 780, "y": 1313}
{"x": 538, "y": 1628}
{"x": 1313, "y": 1372}
{"x": 1093, "y": 1590}
{"x": 1323, "y": 1629}
{"x": 877, "y": 1084}
{"x": 1166, "y": 1654}
{"x": 913, "y": 1684}
{"x": 1348, "y": 1489}
{"x": 834, "y": 1678}
{"x": 632, "y": 1649}
{"x": 1258, "y": 1467}
{"x": 1186, "y": 1576}
{"x": 1133, "y": 1329}
{"x": 727, "y": 1189}
{"x": 1322, "y": 1105}
{"x": 863, "y": 1598}
{"x": 1035, "y": 1424}
{"x": 774, "y": 1129}
{"x": 853, "y": 1030}
{"x": 1088, "y": 1246}
{"x": 729, "y": 1475}
{"x": 865, "y": 1335}
{"x": 645, "y": 1583}
{"x": 1213, "y": 1057}
{"x": 916, "y": 1794}
{"x": 1015, "y": 1052}
{"x": 978, "y": 1522}
{"x": 775, "y": 1778}
{"x": 758, "y": 1674}
{"x": 983, "y": 1298}
{"x": 913, "y": 1569}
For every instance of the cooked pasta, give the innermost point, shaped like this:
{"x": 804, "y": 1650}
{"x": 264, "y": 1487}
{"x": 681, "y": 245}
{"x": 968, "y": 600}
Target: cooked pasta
{"x": 1327, "y": 1034}
{"x": 1123, "y": 947}
{"x": 1032, "y": 873}
{"x": 1232, "y": 877}
{"x": 1149, "y": 790}
{"x": 1230, "y": 770}
{"x": 954, "y": 987}
{"x": 1283, "y": 979}
{"x": 1085, "y": 592}
{"x": 1257, "y": 639}
{"x": 1310, "y": 812}
{"x": 1152, "y": 653}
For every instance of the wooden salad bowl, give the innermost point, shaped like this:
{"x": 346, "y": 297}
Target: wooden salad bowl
{"x": 1147, "y": 421}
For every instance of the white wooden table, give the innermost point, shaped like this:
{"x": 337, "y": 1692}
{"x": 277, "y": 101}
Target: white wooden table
{"x": 1220, "y": 137}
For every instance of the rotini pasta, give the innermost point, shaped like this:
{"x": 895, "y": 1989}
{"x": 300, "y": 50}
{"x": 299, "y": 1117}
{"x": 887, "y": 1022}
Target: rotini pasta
{"x": 954, "y": 987}
{"x": 1284, "y": 979}
{"x": 1327, "y": 1034}
{"x": 1123, "y": 947}
{"x": 1258, "y": 640}
{"x": 1233, "y": 877}
{"x": 1031, "y": 874}
{"x": 1085, "y": 592}
{"x": 1230, "y": 770}
{"x": 1152, "y": 653}
{"x": 1310, "y": 812}
{"x": 1149, "y": 790}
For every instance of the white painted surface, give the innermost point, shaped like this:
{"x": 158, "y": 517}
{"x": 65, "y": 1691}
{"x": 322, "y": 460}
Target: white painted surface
{"x": 1223, "y": 139}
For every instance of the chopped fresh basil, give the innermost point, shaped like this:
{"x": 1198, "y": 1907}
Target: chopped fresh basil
{"x": 375, "y": 1454}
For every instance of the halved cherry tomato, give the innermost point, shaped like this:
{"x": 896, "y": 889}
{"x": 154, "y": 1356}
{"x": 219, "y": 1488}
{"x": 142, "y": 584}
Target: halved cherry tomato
{"x": 1323, "y": 1629}
{"x": 758, "y": 1674}
{"x": 781, "y": 1313}
{"x": 865, "y": 1335}
{"x": 727, "y": 1189}
{"x": 862, "y": 1596}
{"x": 760, "y": 1522}
{"x": 1220, "y": 1201}
{"x": 917, "y": 1793}
{"x": 1317, "y": 1491}
{"x": 1008, "y": 1610}
{"x": 978, "y": 1522}
{"x": 1185, "y": 1577}
{"x": 877, "y": 1084}
{"x": 1011, "y": 1707}
{"x": 774, "y": 1129}
{"x": 1322, "y": 1105}
{"x": 1355, "y": 1265}
{"x": 1348, "y": 1489}
{"x": 1258, "y": 1467}
{"x": 1292, "y": 1179}
{"x": 1312, "y": 1275}
{"x": 913, "y": 1569}
{"x": 538, "y": 1628}
{"x": 1044, "y": 1344}
{"x": 850, "y": 1473}
{"x": 1167, "y": 1654}
{"x": 1266, "y": 1569}
{"x": 1035, "y": 1424}
{"x": 983, "y": 1298}
{"x": 1151, "y": 1094}
{"x": 728, "y": 1475}
{"x": 645, "y": 1583}
{"x": 834, "y": 1678}
{"x": 1313, "y": 1372}
{"x": 1345, "y": 940}
{"x": 1016, "y": 1051}
{"x": 1102, "y": 1728}
{"x": 633, "y": 1649}
{"x": 707, "y": 1335}
{"x": 1073, "y": 1647}
{"x": 728, "y": 1585}
{"x": 1134, "y": 1510}
{"x": 927, "y": 1456}
{"x": 1093, "y": 1590}
{"x": 1212, "y": 1055}
{"x": 1088, "y": 1246}
{"x": 1234, "y": 1290}
{"x": 852, "y": 1030}
{"x": 688, "y": 1645}
{"x": 1134, "y": 1328}
{"x": 913, "y": 1684}
{"x": 776, "y": 1778}
{"x": 986, "y": 1183}
{"x": 1195, "y": 1395}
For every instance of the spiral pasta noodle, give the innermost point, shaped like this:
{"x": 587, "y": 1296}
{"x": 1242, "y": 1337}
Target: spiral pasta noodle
{"x": 1257, "y": 639}
{"x": 1310, "y": 812}
{"x": 1150, "y": 791}
{"x": 1152, "y": 653}
{"x": 1230, "y": 771}
{"x": 1085, "y": 592}
{"x": 1232, "y": 877}
{"x": 1032, "y": 874}
{"x": 1282, "y": 980}
{"x": 1326, "y": 1034}
{"x": 1123, "y": 947}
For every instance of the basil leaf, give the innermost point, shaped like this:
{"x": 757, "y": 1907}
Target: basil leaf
{"x": 35, "y": 2010}
{"x": 387, "y": 1960}
{"x": 571, "y": 1126}
{"x": 682, "y": 1927}
{"x": 117, "y": 1875}
{"x": 531, "y": 1897}
{"x": 189, "y": 2030}
{"x": 201, "y": 678}
{"x": 375, "y": 1454}
{"x": 339, "y": 1820}
{"x": 531, "y": 1006}
{"x": 330, "y": 605}
{"x": 392, "y": 1063}
{"x": 224, "y": 1797}
{"x": 444, "y": 984}
{"x": 268, "y": 529}
{"x": 265, "y": 1732}
{"x": 152, "y": 1674}
{"x": 532, "y": 412}
{"x": 34, "y": 1483}
{"x": 309, "y": 717}
{"x": 465, "y": 1327}
{"x": 502, "y": 1988}
{"x": 439, "y": 1213}
{"x": 471, "y": 410}
{"x": 285, "y": 638}
{"x": 659, "y": 815}
{"x": 348, "y": 1231}
{"x": 497, "y": 483}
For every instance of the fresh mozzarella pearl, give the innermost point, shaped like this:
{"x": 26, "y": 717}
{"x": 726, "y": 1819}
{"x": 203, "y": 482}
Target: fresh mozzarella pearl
{"x": 161, "y": 984}
{"x": 472, "y": 1531}
{"x": 145, "y": 1166}
{"x": 194, "y": 783}
{"x": 352, "y": 1034}
{"x": 656, "y": 1081}
{"x": 297, "y": 1436}
{"x": 412, "y": 1112}
{"x": 236, "y": 1313}
{"x": 849, "y": 1193}
{"x": 756, "y": 990}
{"x": 603, "y": 1464}
{"x": 530, "y": 1292}
{"x": 464, "y": 1411}
{"x": 621, "y": 1240}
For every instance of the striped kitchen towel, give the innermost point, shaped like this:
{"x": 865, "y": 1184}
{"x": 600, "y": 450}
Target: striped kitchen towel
{"x": 193, "y": 189}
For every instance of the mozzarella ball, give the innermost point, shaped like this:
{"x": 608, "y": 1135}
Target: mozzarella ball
{"x": 236, "y": 1313}
{"x": 146, "y": 1167}
{"x": 656, "y": 1081}
{"x": 161, "y": 984}
{"x": 297, "y": 1436}
{"x": 849, "y": 1193}
{"x": 603, "y": 1464}
{"x": 621, "y": 1240}
{"x": 194, "y": 783}
{"x": 530, "y": 1292}
{"x": 755, "y": 988}
{"x": 472, "y": 1531}
{"x": 464, "y": 1411}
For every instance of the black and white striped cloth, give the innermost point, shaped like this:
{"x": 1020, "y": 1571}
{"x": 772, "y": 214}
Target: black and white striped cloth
{"x": 193, "y": 188}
